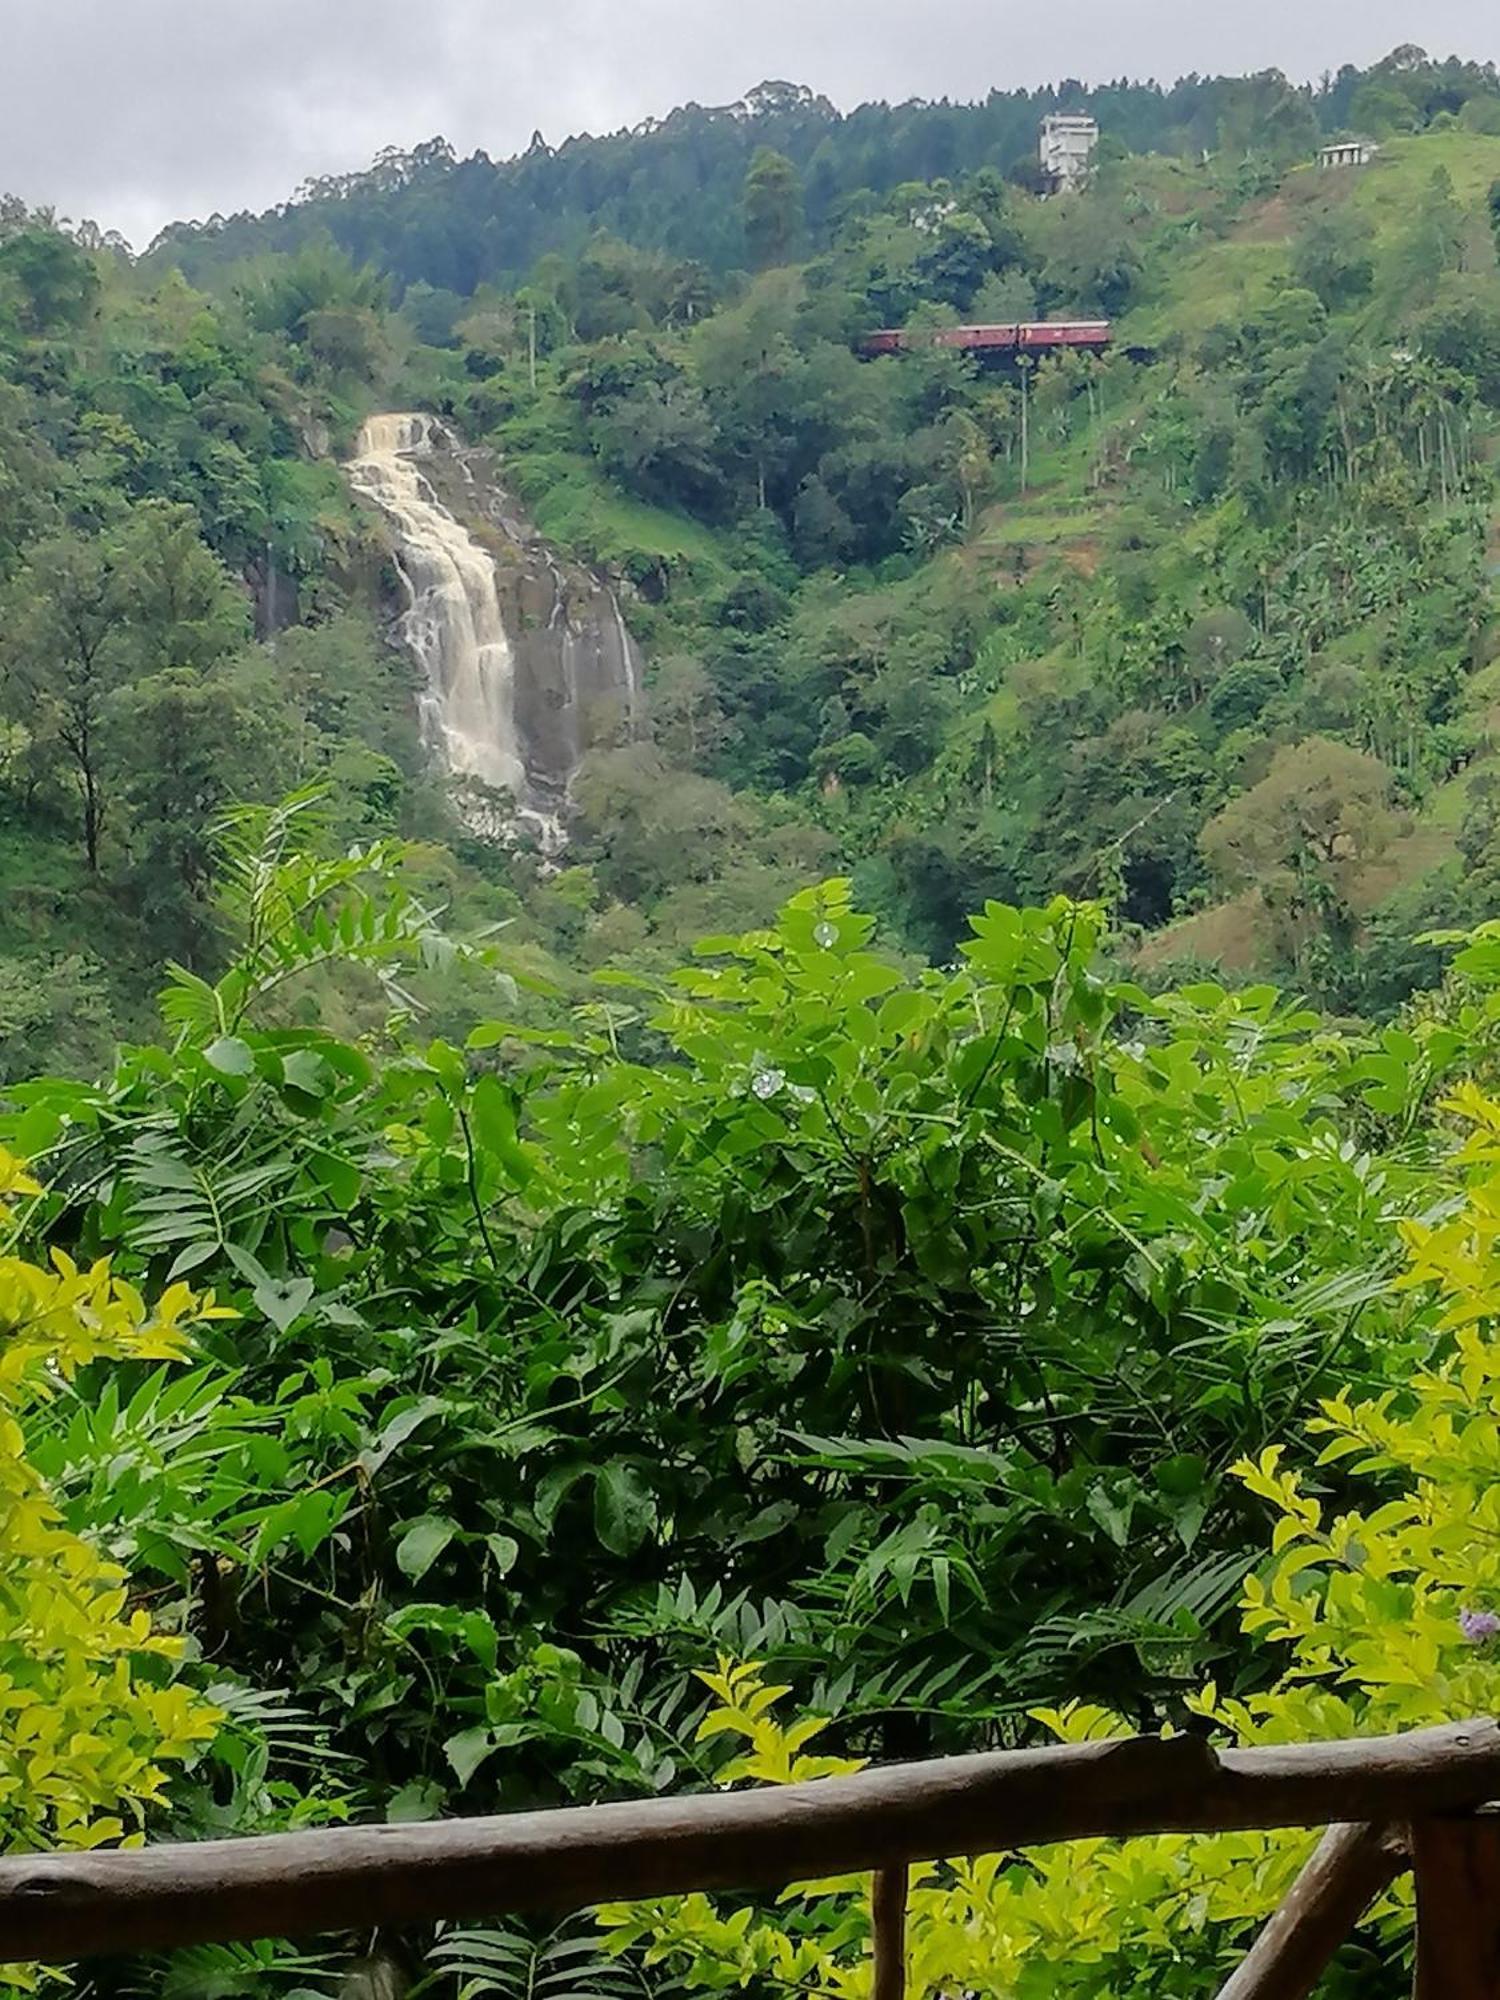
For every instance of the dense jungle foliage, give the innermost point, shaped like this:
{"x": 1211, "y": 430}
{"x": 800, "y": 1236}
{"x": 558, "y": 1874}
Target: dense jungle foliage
{"x": 933, "y": 1336}
{"x": 871, "y": 1248}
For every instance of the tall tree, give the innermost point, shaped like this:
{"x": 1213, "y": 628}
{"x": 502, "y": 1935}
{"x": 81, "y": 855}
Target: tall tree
{"x": 1304, "y": 834}
{"x": 68, "y": 651}
{"x": 1334, "y": 259}
{"x": 56, "y": 284}
{"x": 87, "y": 614}
{"x": 184, "y": 745}
{"x": 772, "y": 208}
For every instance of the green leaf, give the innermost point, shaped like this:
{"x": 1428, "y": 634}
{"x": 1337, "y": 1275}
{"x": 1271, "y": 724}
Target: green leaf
{"x": 624, "y": 1509}
{"x": 423, "y": 1798}
{"x": 313, "y": 1519}
{"x": 467, "y": 1751}
{"x": 339, "y": 1176}
{"x": 477, "y": 1629}
{"x": 493, "y": 1109}
{"x": 505, "y": 1551}
{"x": 447, "y": 1065}
{"x": 1188, "y": 1517}
{"x": 189, "y": 1258}
{"x": 1112, "y": 1511}
{"x": 1182, "y": 1475}
{"x": 305, "y": 1071}
{"x": 555, "y": 1488}
{"x": 398, "y": 1429}
{"x": 422, "y": 1544}
{"x": 902, "y": 1011}
{"x": 230, "y": 1056}
{"x": 284, "y": 1304}
{"x": 942, "y": 1585}
{"x": 843, "y": 1535}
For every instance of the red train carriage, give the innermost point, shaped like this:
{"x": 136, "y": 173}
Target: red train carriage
{"x": 1024, "y": 335}
{"x": 1089, "y": 333}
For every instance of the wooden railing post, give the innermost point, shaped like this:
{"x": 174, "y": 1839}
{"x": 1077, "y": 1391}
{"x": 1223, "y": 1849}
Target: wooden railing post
{"x": 1347, "y": 1870}
{"x": 1457, "y": 1864}
{"x": 888, "y": 1922}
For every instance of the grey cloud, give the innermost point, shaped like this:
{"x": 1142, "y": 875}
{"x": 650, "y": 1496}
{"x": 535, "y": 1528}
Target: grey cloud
{"x": 137, "y": 111}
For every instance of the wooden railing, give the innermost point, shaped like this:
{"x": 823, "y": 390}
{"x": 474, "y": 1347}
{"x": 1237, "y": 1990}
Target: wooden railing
{"x": 1390, "y": 1803}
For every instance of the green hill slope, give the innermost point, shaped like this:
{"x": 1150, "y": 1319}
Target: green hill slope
{"x": 1261, "y": 522}
{"x": 1203, "y": 627}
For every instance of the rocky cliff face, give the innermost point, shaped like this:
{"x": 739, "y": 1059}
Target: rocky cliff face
{"x": 526, "y": 659}
{"x": 578, "y": 672}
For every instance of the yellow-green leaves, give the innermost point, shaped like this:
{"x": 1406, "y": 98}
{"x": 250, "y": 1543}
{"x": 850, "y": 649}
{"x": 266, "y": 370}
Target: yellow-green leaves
{"x": 90, "y": 1717}
{"x": 688, "y": 1933}
{"x": 773, "y": 1749}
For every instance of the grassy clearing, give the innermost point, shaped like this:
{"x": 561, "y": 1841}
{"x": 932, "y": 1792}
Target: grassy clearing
{"x": 1040, "y": 523}
{"x": 1232, "y": 276}
{"x": 574, "y": 506}
{"x": 1385, "y": 191}
{"x": 1227, "y": 280}
{"x": 1235, "y": 936}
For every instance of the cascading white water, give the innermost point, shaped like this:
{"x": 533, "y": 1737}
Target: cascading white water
{"x": 452, "y": 622}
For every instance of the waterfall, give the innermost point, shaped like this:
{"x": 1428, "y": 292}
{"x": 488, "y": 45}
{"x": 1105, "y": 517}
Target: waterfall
{"x": 452, "y": 622}
{"x": 525, "y": 666}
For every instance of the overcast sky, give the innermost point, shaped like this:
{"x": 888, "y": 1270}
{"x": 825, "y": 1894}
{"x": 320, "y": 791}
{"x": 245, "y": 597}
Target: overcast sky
{"x": 136, "y": 112}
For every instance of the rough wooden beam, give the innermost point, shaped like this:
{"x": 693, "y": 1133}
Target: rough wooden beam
{"x": 1457, "y": 1865}
{"x": 1348, "y": 1869}
{"x": 888, "y": 1922}
{"x": 66, "y": 1906}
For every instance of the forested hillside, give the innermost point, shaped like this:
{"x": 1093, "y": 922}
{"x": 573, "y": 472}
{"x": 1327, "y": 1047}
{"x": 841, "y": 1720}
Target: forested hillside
{"x": 1212, "y": 643}
{"x": 854, "y": 1244}
{"x": 674, "y": 184}
{"x": 1248, "y": 550}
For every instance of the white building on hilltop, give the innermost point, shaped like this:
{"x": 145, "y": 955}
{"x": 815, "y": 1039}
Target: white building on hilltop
{"x": 1348, "y": 153}
{"x": 1068, "y": 142}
